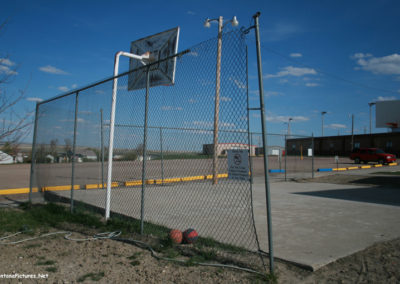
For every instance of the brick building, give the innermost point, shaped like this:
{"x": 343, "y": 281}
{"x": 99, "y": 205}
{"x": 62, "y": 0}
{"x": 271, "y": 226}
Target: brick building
{"x": 342, "y": 145}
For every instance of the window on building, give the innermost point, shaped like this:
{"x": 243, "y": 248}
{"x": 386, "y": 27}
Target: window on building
{"x": 356, "y": 144}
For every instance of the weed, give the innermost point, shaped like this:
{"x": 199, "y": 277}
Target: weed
{"x": 92, "y": 276}
{"x": 32, "y": 246}
{"x": 46, "y": 262}
{"x": 135, "y": 262}
{"x": 51, "y": 269}
{"x": 134, "y": 256}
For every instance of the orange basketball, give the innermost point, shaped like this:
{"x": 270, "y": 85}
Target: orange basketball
{"x": 176, "y": 236}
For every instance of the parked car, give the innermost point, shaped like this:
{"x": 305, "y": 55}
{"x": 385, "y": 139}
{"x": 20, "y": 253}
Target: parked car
{"x": 365, "y": 155}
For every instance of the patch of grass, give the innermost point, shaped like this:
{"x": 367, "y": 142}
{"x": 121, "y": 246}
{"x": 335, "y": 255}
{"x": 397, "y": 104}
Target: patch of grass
{"x": 267, "y": 278}
{"x": 51, "y": 269}
{"x": 46, "y": 262}
{"x": 135, "y": 262}
{"x": 209, "y": 242}
{"x": 134, "y": 256}
{"x": 32, "y": 246}
{"x": 92, "y": 276}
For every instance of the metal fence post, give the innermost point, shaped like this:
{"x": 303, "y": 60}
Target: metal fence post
{"x": 264, "y": 135}
{"x": 102, "y": 147}
{"x": 312, "y": 155}
{"x": 73, "y": 152}
{"x": 33, "y": 154}
{"x": 286, "y": 153}
{"x": 162, "y": 157}
{"x": 248, "y": 117}
{"x": 144, "y": 151}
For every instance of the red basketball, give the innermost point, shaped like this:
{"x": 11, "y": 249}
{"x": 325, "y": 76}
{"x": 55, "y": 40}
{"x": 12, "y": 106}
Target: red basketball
{"x": 190, "y": 236}
{"x": 176, "y": 236}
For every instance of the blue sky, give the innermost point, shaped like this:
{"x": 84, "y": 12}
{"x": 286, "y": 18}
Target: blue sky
{"x": 333, "y": 56}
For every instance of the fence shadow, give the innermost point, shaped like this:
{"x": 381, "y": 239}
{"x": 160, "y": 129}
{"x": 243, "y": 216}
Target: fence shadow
{"x": 376, "y": 195}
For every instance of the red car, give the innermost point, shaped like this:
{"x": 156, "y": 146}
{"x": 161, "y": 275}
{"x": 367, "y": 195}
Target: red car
{"x": 371, "y": 155}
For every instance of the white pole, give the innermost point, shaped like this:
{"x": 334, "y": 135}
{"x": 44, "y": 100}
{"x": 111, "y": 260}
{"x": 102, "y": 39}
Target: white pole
{"x": 112, "y": 122}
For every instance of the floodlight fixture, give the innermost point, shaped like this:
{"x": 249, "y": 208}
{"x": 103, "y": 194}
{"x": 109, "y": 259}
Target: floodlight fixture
{"x": 207, "y": 23}
{"x": 235, "y": 22}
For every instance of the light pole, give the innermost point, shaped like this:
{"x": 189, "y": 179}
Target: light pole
{"x": 322, "y": 118}
{"x": 221, "y": 25}
{"x": 370, "y": 116}
{"x": 288, "y": 126}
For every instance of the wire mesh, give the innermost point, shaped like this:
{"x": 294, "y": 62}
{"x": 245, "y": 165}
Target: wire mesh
{"x": 179, "y": 192}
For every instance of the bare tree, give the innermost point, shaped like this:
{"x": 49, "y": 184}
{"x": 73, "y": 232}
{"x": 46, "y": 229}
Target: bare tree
{"x": 13, "y": 125}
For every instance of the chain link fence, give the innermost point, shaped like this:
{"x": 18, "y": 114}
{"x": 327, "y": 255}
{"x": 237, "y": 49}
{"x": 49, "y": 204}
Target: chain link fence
{"x": 289, "y": 157}
{"x": 72, "y": 137}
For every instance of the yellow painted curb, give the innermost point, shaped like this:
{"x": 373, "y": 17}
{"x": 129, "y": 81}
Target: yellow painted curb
{"x": 353, "y": 168}
{"x": 192, "y": 178}
{"x": 378, "y": 166}
{"x": 339, "y": 169}
{"x": 224, "y": 175}
{"x": 59, "y": 187}
{"x": 133, "y": 183}
{"x": 392, "y": 164}
{"x": 17, "y": 190}
{"x": 366, "y": 167}
{"x": 96, "y": 186}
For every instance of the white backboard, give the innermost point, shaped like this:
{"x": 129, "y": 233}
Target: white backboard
{"x": 387, "y": 112}
{"x": 160, "y": 46}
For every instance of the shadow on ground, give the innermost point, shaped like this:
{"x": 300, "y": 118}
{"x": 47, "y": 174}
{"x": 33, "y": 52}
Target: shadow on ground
{"x": 377, "y": 195}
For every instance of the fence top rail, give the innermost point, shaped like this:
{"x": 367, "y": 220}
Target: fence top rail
{"x": 111, "y": 78}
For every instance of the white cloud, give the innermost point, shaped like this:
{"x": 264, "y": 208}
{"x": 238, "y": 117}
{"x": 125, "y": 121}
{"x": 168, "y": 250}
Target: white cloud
{"x": 382, "y": 99}
{"x": 283, "y": 118}
{"x": 312, "y": 84}
{"x": 63, "y": 89}
{"x": 386, "y": 65}
{"x": 203, "y": 123}
{"x": 191, "y": 13}
{"x": 267, "y": 93}
{"x": 292, "y": 71}
{"x": 296, "y": 55}
{"x": 6, "y": 61}
{"x": 74, "y": 86}
{"x": 168, "y": 108}
{"x": 6, "y": 70}
{"x": 34, "y": 99}
{"x": 335, "y": 126}
{"x": 225, "y": 99}
{"x": 52, "y": 70}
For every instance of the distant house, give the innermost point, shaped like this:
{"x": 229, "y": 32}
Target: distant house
{"x": 5, "y": 158}
{"x": 87, "y": 154}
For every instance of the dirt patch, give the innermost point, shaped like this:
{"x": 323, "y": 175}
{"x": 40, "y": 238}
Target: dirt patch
{"x": 110, "y": 261}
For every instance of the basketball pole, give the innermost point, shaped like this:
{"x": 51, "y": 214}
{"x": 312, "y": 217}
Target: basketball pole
{"x": 112, "y": 122}
{"x": 146, "y": 111}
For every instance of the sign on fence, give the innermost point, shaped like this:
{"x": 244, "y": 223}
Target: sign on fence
{"x": 238, "y": 164}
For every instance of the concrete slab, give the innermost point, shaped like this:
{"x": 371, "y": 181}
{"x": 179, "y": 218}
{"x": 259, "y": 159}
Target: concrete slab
{"x": 317, "y": 223}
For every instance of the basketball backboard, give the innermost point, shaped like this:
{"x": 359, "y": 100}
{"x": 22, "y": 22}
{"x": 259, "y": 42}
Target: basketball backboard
{"x": 388, "y": 114}
{"x": 160, "y": 46}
